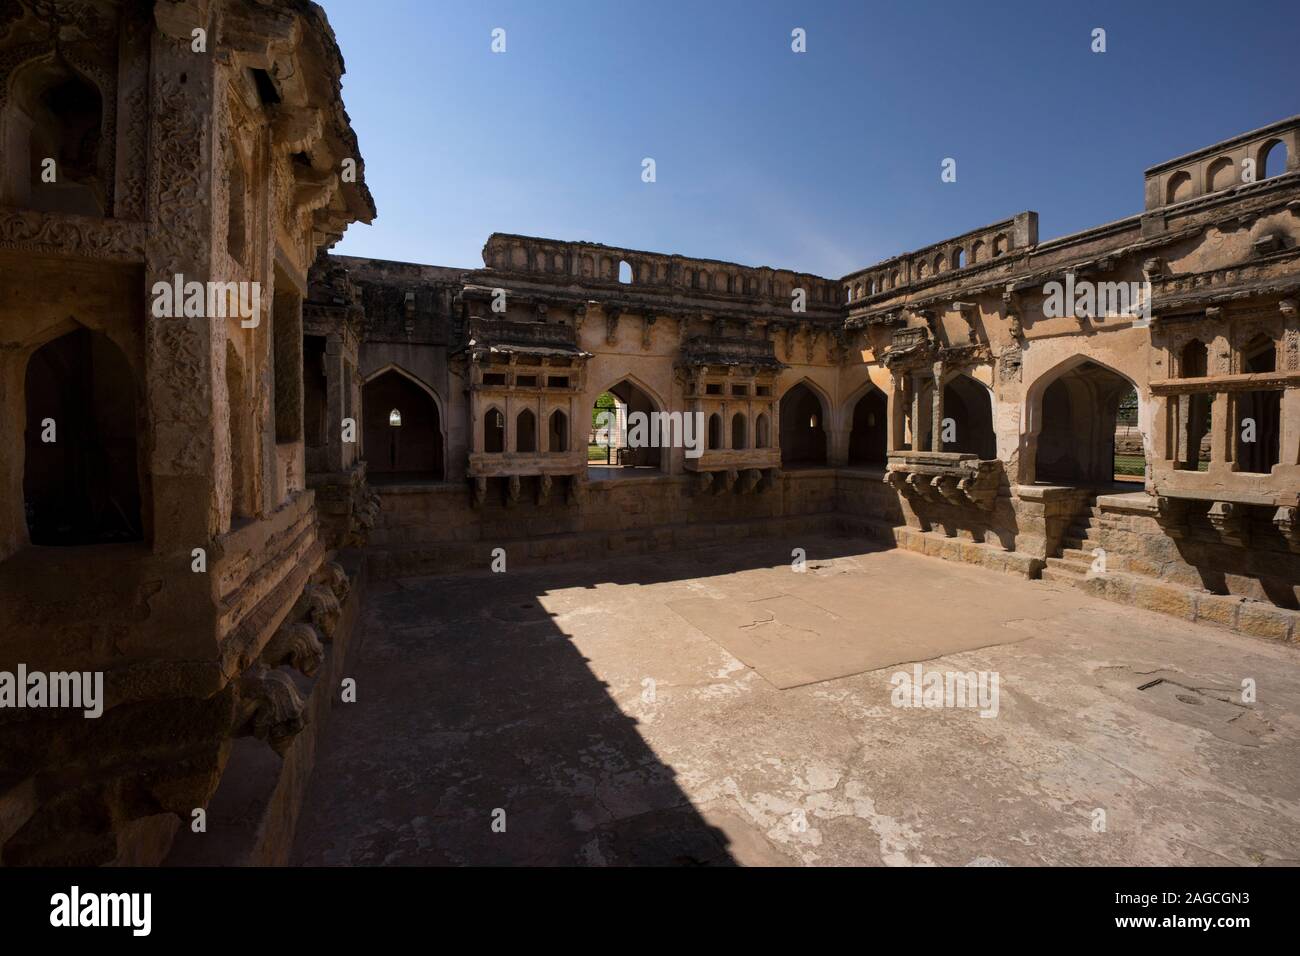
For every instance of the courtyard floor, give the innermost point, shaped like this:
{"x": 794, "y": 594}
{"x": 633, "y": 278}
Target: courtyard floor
{"x": 715, "y": 707}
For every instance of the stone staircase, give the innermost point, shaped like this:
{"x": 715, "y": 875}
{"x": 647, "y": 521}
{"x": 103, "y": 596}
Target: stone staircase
{"x": 1128, "y": 580}
{"x": 1076, "y": 557}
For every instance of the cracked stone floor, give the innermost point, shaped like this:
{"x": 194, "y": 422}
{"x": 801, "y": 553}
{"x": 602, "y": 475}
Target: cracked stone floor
{"x": 603, "y": 712}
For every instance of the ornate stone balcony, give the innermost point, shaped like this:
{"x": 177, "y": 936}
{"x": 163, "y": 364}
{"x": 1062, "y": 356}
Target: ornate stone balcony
{"x": 957, "y": 478}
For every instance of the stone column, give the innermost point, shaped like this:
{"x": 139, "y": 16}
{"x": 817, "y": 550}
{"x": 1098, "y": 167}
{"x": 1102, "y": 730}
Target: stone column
{"x": 936, "y": 417}
{"x": 335, "y": 402}
{"x": 1222, "y": 446}
{"x": 181, "y": 366}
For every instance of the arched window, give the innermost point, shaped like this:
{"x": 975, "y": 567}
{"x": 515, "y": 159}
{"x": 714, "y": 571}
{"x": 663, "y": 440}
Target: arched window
{"x": 715, "y": 431}
{"x": 526, "y": 431}
{"x": 958, "y": 257}
{"x": 625, "y": 272}
{"x": 81, "y": 469}
{"x": 739, "y": 429}
{"x": 1193, "y": 364}
{"x": 1272, "y": 160}
{"x": 558, "y": 433}
{"x": 494, "y": 432}
{"x": 56, "y": 115}
{"x": 940, "y": 263}
{"x": 762, "y": 432}
{"x": 977, "y": 251}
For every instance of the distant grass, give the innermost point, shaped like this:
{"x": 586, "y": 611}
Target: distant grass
{"x": 1130, "y": 465}
{"x": 1136, "y": 465}
{"x": 597, "y": 452}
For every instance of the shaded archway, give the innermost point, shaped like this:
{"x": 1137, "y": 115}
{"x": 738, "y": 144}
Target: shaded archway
{"x": 868, "y": 437}
{"x": 406, "y": 445}
{"x": 81, "y": 474}
{"x": 1077, "y": 412}
{"x": 968, "y": 414}
{"x": 632, "y": 402}
{"x": 739, "y": 431}
{"x": 558, "y": 432}
{"x": 526, "y": 431}
{"x": 803, "y": 427}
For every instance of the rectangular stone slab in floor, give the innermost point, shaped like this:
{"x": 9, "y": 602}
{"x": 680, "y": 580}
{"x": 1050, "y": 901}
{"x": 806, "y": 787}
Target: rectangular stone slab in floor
{"x": 793, "y": 641}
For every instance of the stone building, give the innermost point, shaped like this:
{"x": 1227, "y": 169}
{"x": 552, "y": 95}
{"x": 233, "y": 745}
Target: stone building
{"x": 198, "y": 486}
{"x": 960, "y": 400}
{"x": 156, "y": 523}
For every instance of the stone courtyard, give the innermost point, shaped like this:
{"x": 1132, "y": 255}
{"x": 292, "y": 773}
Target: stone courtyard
{"x": 531, "y": 692}
{"x": 246, "y": 475}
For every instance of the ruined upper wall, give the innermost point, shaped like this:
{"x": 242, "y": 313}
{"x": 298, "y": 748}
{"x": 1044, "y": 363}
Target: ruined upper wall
{"x": 597, "y": 266}
{"x": 1236, "y": 162}
{"x": 979, "y": 246}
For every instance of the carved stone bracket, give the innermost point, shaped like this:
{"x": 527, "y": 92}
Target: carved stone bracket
{"x": 611, "y": 324}
{"x": 969, "y": 311}
{"x": 1287, "y": 520}
{"x": 543, "y": 489}
{"x": 958, "y": 479}
{"x": 270, "y": 708}
{"x": 575, "y": 490}
{"x": 297, "y": 645}
{"x": 478, "y": 492}
{"x": 1171, "y": 513}
{"x": 513, "y": 486}
{"x": 1229, "y": 520}
{"x": 647, "y": 323}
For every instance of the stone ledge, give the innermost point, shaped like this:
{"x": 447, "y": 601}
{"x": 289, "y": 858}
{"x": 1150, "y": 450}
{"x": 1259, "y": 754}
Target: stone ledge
{"x": 253, "y": 816}
{"x": 1241, "y": 615}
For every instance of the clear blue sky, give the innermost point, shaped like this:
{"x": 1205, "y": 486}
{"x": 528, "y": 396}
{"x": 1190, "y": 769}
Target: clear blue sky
{"x": 825, "y": 161}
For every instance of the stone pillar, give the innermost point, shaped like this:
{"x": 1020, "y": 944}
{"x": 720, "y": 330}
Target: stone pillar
{"x": 1222, "y": 446}
{"x": 896, "y": 414}
{"x": 335, "y": 402}
{"x": 936, "y": 417}
{"x": 181, "y": 366}
{"x": 919, "y": 412}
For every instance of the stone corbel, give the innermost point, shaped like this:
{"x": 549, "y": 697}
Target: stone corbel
{"x": 1011, "y": 309}
{"x": 809, "y": 342}
{"x": 408, "y": 312}
{"x": 969, "y": 310}
{"x": 296, "y": 645}
{"x": 478, "y": 492}
{"x": 543, "y": 489}
{"x": 579, "y": 316}
{"x": 749, "y": 480}
{"x": 298, "y": 130}
{"x": 1171, "y": 513}
{"x": 1287, "y": 521}
{"x": 612, "y": 312}
{"x": 1153, "y": 268}
{"x": 647, "y": 323}
{"x": 513, "y": 487}
{"x": 982, "y": 494}
{"x": 1229, "y": 520}
{"x": 270, "y": 708}
{"x": 703, "y": 482}
{"x": 324, "y": 610}
{"x": 575, "y": 490}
